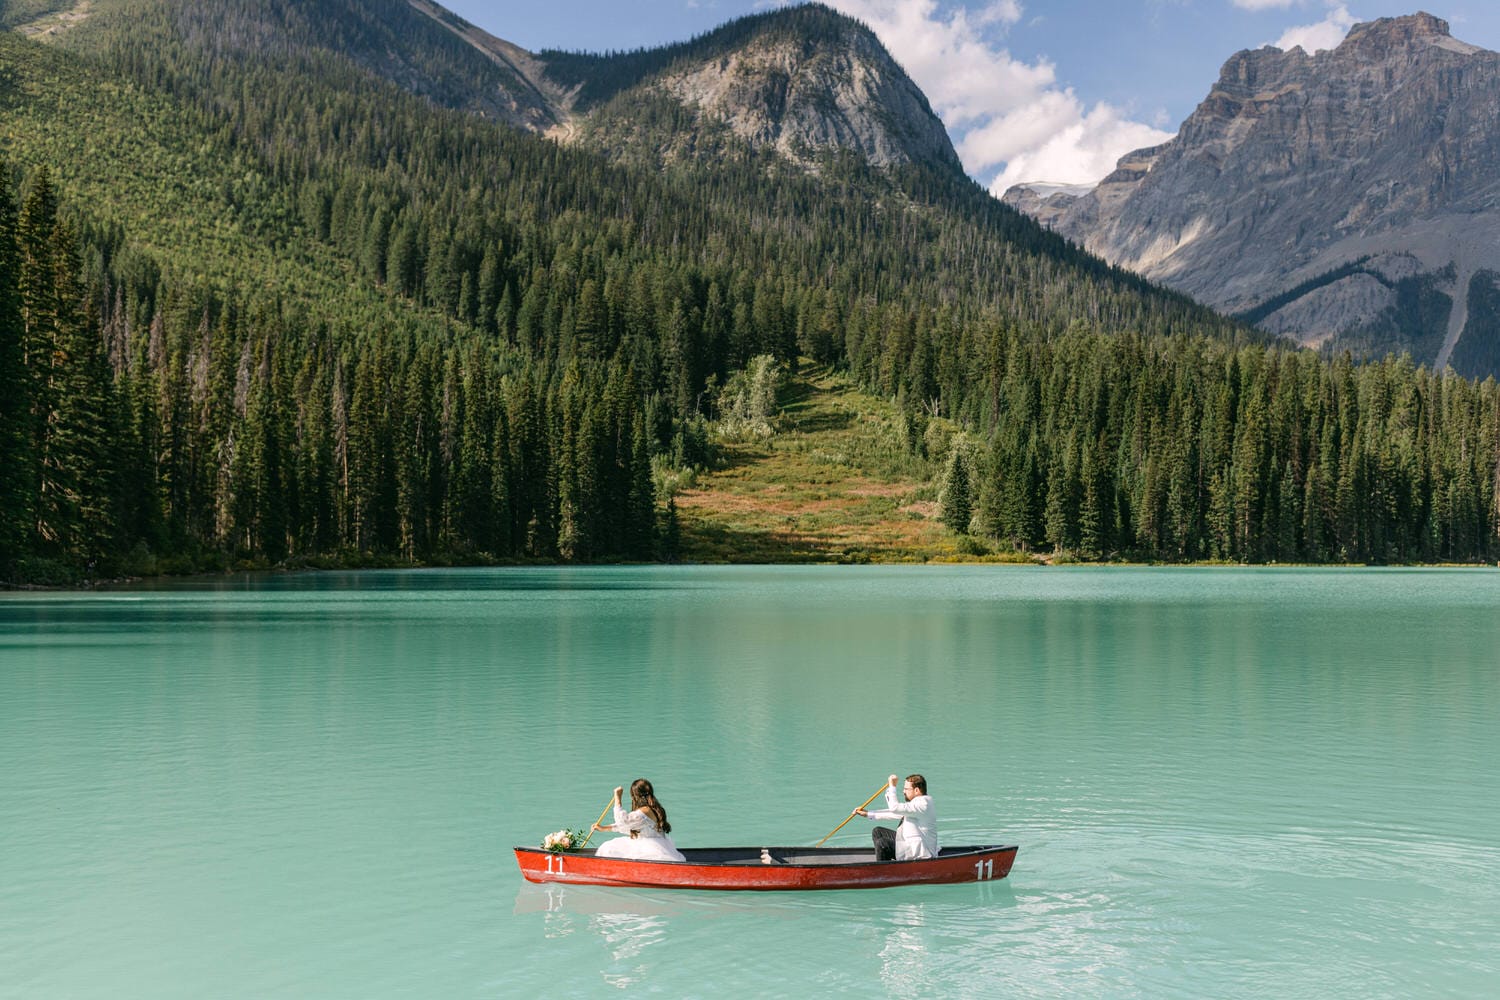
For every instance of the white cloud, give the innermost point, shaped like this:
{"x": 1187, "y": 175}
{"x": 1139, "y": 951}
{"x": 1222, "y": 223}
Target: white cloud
{"x": 1326, "y": 34}
{"x": 1001, "y": 12}
{"x": 1009, "y": 118}
{"x": 1081, "y": 152}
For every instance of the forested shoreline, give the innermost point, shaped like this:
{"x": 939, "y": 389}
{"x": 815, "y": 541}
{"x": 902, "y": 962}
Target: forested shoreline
{"x": 218, "y": 435}
{"x": 443, "y": 341}
{"x": 1183, "y": 449}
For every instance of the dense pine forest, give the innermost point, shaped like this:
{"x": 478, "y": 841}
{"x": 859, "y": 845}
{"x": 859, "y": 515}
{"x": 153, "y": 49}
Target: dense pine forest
{"x": 283, "y": 311}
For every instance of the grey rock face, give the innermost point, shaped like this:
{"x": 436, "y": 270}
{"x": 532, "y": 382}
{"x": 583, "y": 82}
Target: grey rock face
{"x": 1354, "y": 301}
{"x": 802, "y": 100}
{"x": 1046, "y": 203}
{"x": 839, "y": 92}
{"x": 525, "y": 98}
{"x": 1295, "y": 165}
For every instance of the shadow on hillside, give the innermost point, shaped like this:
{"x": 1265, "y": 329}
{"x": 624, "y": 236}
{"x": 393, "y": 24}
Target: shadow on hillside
{"x": 795, "y": 396}
{"x": 799, "y": 411}
{"x": 731, "y": 455}
{"x": 822, "y": 421}
{"x": 716, "y": 542}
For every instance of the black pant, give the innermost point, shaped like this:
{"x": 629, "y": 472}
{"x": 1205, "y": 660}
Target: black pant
{"x": 885, "y": 843}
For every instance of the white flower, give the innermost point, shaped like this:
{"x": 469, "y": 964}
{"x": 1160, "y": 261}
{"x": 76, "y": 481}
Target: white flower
{"x": 559, "y": 838}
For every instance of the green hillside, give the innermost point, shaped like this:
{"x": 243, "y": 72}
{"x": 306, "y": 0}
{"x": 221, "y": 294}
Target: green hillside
{"x": 282, "y": 294}
{"x": 832, "y": 479}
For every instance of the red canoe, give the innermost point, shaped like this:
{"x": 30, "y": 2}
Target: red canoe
{"x": 787, "y": 868}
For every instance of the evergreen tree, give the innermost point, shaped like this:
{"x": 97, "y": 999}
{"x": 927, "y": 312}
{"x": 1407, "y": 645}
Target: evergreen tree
{"x": 1063, "y": 494}
{"x": 641, "y": 523}
{"x": 1093, "y": 508}
{"x": 502, "y": 507}
{"x": 956, "y": 506}
{"x": 70, "y": 377}
{"x": 18, "y": 466}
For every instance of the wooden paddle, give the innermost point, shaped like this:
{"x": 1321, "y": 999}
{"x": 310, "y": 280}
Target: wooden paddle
{"x": 866, "y": 802}
{"x": 601, "y": 820}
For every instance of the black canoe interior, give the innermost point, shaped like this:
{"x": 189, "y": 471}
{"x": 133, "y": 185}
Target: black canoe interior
{"x": 804, "y": 856}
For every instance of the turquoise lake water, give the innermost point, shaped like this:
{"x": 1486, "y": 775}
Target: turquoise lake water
{"x": 1257, "y": 783}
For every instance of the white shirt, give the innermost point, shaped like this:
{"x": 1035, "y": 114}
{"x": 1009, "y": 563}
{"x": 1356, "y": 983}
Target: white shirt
{"x": 916, "y": 837}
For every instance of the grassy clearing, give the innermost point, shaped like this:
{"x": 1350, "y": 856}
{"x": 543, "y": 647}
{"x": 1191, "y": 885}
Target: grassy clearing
{"x": 833, "y": 484}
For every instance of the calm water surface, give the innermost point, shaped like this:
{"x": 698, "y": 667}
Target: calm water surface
{"x": 1224, "y": 782}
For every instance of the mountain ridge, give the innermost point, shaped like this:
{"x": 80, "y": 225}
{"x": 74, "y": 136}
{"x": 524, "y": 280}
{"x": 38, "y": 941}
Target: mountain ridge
{"x": 552, "y": 105}
{"x": 1294, "y": 165}
{"x": 802, "y": 82}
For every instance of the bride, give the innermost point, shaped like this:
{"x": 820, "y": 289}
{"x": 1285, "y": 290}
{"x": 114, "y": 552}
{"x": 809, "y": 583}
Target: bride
{"x": 646, "y": 825}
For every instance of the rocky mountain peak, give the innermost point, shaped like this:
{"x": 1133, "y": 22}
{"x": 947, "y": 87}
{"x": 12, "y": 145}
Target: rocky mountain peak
{"x": 842, "y": 92}
{"x": 1379, "y": 38}
{"x": 1350, "y": 194}
{"x": 1254, "y": 71}
{"x": 804, "y": 82}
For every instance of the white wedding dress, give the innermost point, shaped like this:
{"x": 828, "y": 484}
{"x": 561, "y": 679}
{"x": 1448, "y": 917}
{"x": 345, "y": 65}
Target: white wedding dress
{"x": 648, "y": 844}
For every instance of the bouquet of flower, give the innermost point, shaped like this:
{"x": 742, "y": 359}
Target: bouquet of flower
{"x": 564, "y": 840}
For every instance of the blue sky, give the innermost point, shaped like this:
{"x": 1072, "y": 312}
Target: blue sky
{"x": 1051, "y": 90}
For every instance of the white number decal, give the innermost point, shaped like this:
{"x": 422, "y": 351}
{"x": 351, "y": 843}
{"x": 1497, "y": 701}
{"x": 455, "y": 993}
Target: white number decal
{"x": 984, "y": 870}
{"x": 559, "y": 863}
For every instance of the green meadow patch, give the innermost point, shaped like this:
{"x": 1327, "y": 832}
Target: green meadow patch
{"x": 833, "y": 483}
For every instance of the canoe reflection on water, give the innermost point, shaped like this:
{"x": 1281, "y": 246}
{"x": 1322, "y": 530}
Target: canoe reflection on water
{"x": 904, "y": 947}
{"x": 894, "y": 930}
{"x": 594, "y": 900}
{"x": 628, "y": 925}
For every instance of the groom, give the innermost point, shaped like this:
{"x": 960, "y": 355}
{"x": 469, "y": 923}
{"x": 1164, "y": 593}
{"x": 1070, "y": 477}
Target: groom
{"x": 916, "y": 835}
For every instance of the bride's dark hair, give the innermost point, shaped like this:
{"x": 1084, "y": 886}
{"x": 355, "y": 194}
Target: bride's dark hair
{"x": 642, "y": 797}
